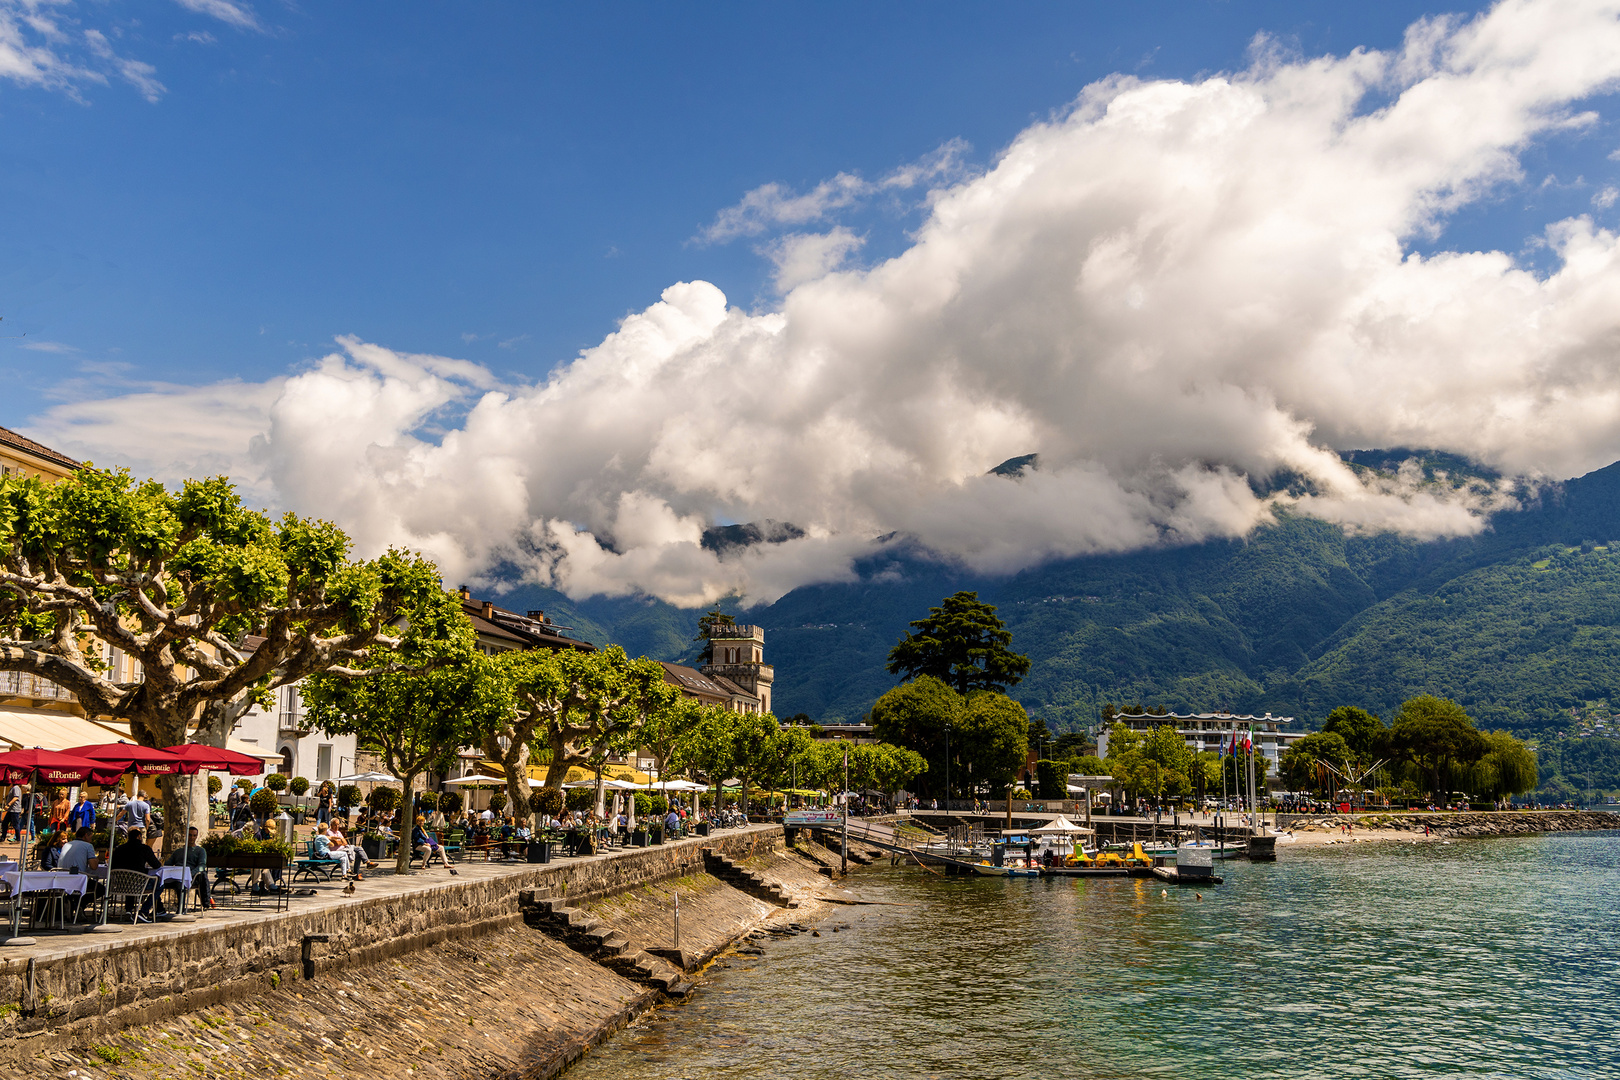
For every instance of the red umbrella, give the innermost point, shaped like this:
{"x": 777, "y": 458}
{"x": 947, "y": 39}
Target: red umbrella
{"x": 142, "y": 760}
{"x": 56, "y": 767}
{"x": 196, "y": 756}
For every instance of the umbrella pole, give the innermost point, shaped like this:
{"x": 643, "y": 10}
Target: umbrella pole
{"x": 105, "y": 926}
{"x": 22, "y": 868}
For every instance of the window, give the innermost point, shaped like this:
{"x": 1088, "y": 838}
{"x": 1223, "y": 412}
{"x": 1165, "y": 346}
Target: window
{"x": 323, "y": 762}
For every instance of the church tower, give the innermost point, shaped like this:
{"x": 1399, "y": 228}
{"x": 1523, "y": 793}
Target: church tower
{"x": 737, "y": 653}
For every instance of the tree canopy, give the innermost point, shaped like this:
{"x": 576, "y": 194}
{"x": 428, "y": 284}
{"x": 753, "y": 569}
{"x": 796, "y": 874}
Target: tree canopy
{"x": 215, "y": 605}
{"x": 962, "y": 644}
{"x": 1437, "y": 736}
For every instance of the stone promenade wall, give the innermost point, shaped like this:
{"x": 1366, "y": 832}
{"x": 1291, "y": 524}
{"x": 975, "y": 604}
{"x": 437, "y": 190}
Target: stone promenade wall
{"x": 92, "y": 983}
{"x": 1492, "y": 823}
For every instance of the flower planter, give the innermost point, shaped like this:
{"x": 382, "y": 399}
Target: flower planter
{"x": 539, "y": 851}
{"x": 658, "y": 836}
{"x": 639, "y": 839}
{"x": 372, "y": 846}
{"x": 701, "y": 828}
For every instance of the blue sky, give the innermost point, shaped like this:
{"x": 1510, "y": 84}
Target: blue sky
{"x": 503, "y": 182}
{"x": 336, "y": 250}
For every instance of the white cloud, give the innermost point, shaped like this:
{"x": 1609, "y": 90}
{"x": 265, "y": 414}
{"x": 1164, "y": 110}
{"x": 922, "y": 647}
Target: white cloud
{"x": 137, "y": 74}
{"x": 1605, "y": 198}
{"x": 802, "y": 257}
{"x": 49, "y": 346}
{"x": 1166, "y": 290}
{"x": 234, "y": 14}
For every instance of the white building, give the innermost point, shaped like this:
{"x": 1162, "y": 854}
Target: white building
{"x": 305, "y": 751}
{"x": 1213, "y": 732}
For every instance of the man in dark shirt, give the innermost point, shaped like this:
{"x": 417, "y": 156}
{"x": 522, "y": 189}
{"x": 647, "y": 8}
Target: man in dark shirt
{"x": 133, "y": 854}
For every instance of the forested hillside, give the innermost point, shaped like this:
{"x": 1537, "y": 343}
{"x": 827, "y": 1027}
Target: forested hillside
{"x": 1520, "y": 624}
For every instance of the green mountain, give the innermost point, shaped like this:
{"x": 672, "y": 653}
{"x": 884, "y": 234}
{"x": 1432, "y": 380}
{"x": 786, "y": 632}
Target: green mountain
{"x": 1521, "y": 623}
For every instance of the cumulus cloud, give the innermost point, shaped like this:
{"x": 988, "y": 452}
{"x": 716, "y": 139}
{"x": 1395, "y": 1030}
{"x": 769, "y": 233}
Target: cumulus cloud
{"x": 1172, "y": 291}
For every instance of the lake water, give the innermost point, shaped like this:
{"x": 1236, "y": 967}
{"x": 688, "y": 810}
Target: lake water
{"x": 1482, "y": 958}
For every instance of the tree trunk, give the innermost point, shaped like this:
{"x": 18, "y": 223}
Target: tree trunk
{"x": 515, "y": 763}
{"x": 557, "y": 771}
{"x": 177, "y": 790}
{"x": 407, "y": 824}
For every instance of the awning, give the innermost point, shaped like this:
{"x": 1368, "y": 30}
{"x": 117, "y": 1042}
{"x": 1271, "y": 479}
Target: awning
{"x": 22, "y": 729}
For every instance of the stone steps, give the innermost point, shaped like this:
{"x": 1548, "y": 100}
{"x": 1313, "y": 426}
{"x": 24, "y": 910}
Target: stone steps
{"x": 749, "y": 881}
{"x": 602, "y": 943}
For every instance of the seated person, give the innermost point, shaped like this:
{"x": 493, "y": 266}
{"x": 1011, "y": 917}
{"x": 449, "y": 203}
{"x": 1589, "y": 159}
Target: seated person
{"x": 328, "y": 848}
{"x": 191, "y": 854}
{"x": 48, "y": 849}
{"x": 426, "y": 846}
{"x": 79, "y": 857}
{"x": 507, "y": 836}
{"x": 133, "y": 854}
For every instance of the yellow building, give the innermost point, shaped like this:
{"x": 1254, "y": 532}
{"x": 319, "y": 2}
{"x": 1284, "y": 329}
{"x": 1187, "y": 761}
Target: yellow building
{"x": 21, "y": 456}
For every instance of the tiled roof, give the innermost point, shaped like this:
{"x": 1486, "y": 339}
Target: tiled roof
{"x": 693, "y": 680}
{"x": 29, "y": 446}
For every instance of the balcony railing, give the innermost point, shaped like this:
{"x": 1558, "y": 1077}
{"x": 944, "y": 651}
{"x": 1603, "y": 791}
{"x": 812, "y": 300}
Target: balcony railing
{"x": 28, "y": 685}
{"x": 735, "y": 631}
{"x": 292, "y": 726}
{"x": 763, "y": 672}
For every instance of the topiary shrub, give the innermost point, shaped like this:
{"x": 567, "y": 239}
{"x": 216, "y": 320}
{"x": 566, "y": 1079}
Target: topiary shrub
{"x": 245, "y": 784}
{"x": 547, "y": 800}
{"x": 497, "y": 802}
{"x": 660, "y": 805}
{"x": 383, "y": 798}
{"x": 580, "y": 798}
{"x": 644, "y": 804}
{"x": 215, "y": 785}
{"x": 298, "y": 785}
{"x": 348, "y": 795}
{"x": 450, "y": 802}
{"x": 263, "y": 802}
{"x": 276, "y": 782}
{"x": 427, "y": 801}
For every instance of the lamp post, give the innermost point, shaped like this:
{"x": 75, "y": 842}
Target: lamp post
{"x": 948, "y": 767}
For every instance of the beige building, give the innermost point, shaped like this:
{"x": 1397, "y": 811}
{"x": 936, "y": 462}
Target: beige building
{"x": 21, "y": 456}
{"x": 736, "y": 676}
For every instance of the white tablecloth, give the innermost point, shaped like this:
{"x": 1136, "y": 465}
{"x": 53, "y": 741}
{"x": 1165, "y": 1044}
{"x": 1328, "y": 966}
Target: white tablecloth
{"x": 40, "y": 880}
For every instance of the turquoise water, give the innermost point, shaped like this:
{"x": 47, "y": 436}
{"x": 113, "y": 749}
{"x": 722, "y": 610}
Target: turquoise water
{"x": 1483, "y": 958}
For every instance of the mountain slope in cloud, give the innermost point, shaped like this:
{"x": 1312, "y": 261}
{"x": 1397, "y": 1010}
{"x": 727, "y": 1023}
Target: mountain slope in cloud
{"x": 1176, "y": 291}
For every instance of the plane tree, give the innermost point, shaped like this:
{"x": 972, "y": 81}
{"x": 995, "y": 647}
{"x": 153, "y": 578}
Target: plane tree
{"x": 213, "y": 604}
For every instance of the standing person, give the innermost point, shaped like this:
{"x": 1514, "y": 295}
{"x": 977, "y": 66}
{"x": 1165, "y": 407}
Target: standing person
{"x": 84, "y": 814}
{"x": 323, "y": 805}
{"x": 137, "y": 812}
{"x": 11, "y": 824}
{"x": 60, "y": 808}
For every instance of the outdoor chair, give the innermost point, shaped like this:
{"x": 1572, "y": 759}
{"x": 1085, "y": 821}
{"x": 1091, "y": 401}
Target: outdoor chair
{"x": 133, "y": 886}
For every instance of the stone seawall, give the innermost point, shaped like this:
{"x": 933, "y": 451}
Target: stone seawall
{"x": 517, "y": 1003}
{"x": 1481, "y": 823}
{"x": 90, "y": 984}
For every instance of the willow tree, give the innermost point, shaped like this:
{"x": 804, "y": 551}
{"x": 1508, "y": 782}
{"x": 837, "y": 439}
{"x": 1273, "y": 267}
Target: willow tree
{"x": 175, "y": 611}
{"x": 415, "y": 721}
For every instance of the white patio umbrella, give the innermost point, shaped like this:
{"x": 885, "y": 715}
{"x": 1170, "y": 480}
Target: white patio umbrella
{"x": 477, "y": 778}
{"x": 367, "y": 778}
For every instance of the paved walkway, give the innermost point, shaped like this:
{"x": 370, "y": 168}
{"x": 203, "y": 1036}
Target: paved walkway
{"x": 53, "y": 944}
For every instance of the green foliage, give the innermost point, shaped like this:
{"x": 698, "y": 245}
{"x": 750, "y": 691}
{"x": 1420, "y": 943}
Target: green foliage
{"x": 245, "y": 784}
{"x": 1364, "y": 735}
{"x": 1299, "y": 761}
{"x": 547, "y": 801}
{"x": 962, "y": 644}
{"x": 450, "y": 801}
{"x": 276, "y": 782}
{"x": 497, "y": 802}
{"x": 383, "y": 798}
{"x": 990, "y": 742}
{"x": 427, "y": 802}
{"x": 644, "y": 805}
{"x": 1437, "y": 736}
{"x": 349, "y": 795}
{"x": 263, "y": 802}
{"x": 215, "y": 785}
{"x": 1051, "y": 779}
{"x": 1157, "y": 764}
{"x": 1508, "y": 767}
{"x": 298, "y": 786}
{"x": 1579, "y": 765}
{"x": 916, "y": 715}
{"x": 220, "y": 845}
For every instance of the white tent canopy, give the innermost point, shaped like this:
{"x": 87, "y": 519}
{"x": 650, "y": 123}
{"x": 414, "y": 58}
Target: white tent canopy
{"x": 680, "y": 785}
{"x": 608, "y": 784}
{"x": 477, "y": 778}
{"x": 1059, "y": 826}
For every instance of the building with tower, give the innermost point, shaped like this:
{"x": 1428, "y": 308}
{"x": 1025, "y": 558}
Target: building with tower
{"x": 736, "y": 675}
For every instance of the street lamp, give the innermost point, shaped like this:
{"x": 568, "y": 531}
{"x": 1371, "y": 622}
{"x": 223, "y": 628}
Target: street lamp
{"x": 947, "y": 766}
